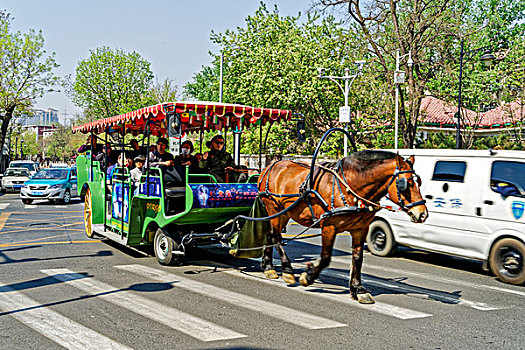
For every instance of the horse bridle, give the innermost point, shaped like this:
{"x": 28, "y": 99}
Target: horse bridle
{"x": 402, "y": 185}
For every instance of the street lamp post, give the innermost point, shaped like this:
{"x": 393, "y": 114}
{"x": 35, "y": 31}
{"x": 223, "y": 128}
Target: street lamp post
{"x": 349, "y": 80}
{"x": 399, "y": 78}
{"x": 487, "y": 58}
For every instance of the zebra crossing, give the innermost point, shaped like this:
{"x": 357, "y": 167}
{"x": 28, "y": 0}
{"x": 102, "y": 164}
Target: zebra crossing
{"x": 4, "y": 206}
{"x": 72, "y": 334}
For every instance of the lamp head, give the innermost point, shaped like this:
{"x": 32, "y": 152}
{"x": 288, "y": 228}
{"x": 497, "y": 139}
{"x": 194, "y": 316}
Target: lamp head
{"x": 488, "y": 58}
{"x": 320, "y": 71}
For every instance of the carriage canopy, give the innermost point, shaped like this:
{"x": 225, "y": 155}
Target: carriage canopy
{"x": 195, "y": 116}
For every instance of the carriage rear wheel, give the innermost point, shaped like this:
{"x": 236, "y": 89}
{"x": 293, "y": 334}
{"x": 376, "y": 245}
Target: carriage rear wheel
{"x": 88, "y": 214}
{"x": 380, "y": 239}
{"x": 507, "y": 260}
{"x": 165, "y": 248}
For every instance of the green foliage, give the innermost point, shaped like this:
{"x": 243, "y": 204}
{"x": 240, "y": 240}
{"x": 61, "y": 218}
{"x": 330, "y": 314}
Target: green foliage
{"x": 272, "y": 62}
{"x": 111, "y": 82}
{"x": 26, "y": 71}
{"x": 159, "y": 92}
{"x": 62, "y": 144}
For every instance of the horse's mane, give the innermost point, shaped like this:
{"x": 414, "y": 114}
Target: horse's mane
{"x": 371, "y": 155}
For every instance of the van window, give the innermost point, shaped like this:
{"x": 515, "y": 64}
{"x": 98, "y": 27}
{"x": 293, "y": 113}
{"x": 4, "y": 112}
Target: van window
{"x": 449, "y": 171}
{"x": 508, "y": 178}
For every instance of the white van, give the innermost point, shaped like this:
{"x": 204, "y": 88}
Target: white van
{"x": 476, "y": 206}
{"x": 32, "y": 167}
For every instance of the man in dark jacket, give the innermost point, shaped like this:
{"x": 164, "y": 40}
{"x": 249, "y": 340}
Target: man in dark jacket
{"x": 218, "y": 161}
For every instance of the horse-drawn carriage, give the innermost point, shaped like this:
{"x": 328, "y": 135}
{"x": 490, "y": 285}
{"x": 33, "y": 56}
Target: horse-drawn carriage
{"x": 172, "y": 212}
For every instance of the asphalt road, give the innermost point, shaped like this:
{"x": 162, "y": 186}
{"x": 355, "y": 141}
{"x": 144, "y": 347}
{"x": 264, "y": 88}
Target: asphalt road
{"x": 59, "y": 289}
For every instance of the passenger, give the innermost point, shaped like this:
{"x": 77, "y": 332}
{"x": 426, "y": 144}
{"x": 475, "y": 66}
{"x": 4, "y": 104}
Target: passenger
{"x": 186, "y": 158}
{"x": 137, "y": 172}
{"x": 218, "y": 161}
{"x": 160, "y": 156}
{"x": 91, "y": 143}
{"x": 198, "y": 155}
{"x": 136, "y": 150}
{"x": 108, "y": 157}
{"x": 122, "y": 162}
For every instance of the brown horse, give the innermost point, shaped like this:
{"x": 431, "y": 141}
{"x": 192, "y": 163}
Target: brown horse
{"x": 356, "y": 184}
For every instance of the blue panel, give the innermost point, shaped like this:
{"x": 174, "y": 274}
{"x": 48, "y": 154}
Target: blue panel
{"x": 116, "y": 203}
{"x": 154, "y": 187}
{"x": 223, "y": 195}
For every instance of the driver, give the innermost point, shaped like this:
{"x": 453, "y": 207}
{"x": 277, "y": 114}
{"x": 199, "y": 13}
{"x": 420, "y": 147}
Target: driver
{"x": 217, "y": 160}
{"x": 160, "y": 156}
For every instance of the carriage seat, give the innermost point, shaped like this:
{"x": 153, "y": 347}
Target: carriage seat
{"x": 175, "y": 192}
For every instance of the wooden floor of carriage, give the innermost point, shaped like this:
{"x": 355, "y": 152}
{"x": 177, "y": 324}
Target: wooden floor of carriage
{"x": 119, "y": 299}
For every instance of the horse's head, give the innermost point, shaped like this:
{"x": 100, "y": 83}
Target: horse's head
{"x": 403, "y": 189}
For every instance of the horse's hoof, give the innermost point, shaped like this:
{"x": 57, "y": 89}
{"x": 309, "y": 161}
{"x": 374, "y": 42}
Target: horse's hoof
{"x": 288, "y": 278}
{"x": 271, "y": 274}
{"x": 303, "y": 280}
{"x": 365, "y": 298}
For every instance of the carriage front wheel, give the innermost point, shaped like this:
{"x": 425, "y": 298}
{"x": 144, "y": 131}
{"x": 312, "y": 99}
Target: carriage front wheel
{"x": 380, "y": 240}
{"x": 88, "y": 214}
{"x": 165, "y": 248}
{"x": 507, "y": 260}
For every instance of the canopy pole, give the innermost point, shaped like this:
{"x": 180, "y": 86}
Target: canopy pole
{"x": 122, "y": 180}
{"x": 147, "y": 158}
{"x": 104, "y": 175}
{"x": 201, "y": 135}
{"x": 260, "y": 146}
{"x": 91, "y": 158}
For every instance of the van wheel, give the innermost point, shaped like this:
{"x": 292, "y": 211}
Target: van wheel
{"x": 506, "y": 260}
{"x": 164, "y": 247}
{"x": 380, "y": 239}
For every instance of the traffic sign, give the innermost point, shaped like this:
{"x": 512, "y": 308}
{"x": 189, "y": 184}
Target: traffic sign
{"x": 344, "y": 114}
{"x": 399, "y": 77}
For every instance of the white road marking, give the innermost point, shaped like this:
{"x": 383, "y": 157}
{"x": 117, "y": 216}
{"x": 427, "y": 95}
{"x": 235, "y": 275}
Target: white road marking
{"x": 379, "y": 307}
{"x": 30, "y": 206}
{"x": 415, "y": 291}
{"x": 436, "y": 278}
{"x": 280, "y": 312}
{"x": 4, "y": 206}
{"x": 181, "y": 321}
{"x": 51, "y": 324}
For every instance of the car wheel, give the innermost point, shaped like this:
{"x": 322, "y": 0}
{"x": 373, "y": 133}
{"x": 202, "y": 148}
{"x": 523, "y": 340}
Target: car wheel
{"x": 507, "y": 260}
{"x": 164, "y": 247}
{"x": 67, "y": 197}
{"x": 27, "y": 201}
{"x": 88, "y": 214}
{"x": 380, "y": 240}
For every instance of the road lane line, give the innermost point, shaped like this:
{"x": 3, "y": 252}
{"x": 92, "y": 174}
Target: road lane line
{"x": 3, "y": 219}
{"x": 280, "y": 312}
{"x": 379, "y": 307}
{"x": 51, "y": 324}
{"x": 4, "y": 206}
{"x": 435, "y": 278}
{"x": 181, "y": 321}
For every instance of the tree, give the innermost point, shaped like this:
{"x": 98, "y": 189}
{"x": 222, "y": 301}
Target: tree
{"x": 272, "y": 62}
{"x": 25, "y": 72}
{"x": 111, "y": 82}
{"x": 62, "y": 144}
{"x": 160, "y": 92}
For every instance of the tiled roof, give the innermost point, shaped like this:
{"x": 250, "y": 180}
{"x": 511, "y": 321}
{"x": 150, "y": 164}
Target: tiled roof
{"x": 436, "y": 112}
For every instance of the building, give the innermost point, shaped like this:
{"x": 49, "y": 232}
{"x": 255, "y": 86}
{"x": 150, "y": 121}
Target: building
{"x": 41, "y": 118}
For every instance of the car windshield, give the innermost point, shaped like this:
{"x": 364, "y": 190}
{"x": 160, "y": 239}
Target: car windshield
{"x": 51, "y": 174}
{"x": 16, "y": 172}
{"x": 28, "y": 166}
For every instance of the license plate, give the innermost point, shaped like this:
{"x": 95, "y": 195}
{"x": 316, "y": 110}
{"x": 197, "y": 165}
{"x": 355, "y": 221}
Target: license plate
{"x": 17, "y": 186}
{"x": 37, "y": 193}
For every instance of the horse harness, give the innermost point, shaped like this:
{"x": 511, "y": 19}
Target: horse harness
{"x": 304, "y": 191}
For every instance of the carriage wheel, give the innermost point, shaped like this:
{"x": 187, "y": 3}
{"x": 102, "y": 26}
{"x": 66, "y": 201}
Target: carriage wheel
{"x": 507, "y": 260}
{"x": 164, "y": 247}
{"x": 88, "y": 214}
{"x": 380, "y": 239}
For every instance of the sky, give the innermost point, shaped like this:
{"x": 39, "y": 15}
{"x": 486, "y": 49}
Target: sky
{"x": 174, "y": 36}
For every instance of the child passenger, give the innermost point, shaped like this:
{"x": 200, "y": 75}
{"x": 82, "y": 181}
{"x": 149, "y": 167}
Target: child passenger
{"x": 136, "y": 173}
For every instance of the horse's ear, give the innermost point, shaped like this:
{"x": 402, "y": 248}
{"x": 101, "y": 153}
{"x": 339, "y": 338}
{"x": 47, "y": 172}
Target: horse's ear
{"x": 412, "y": 159}
{"x": 398, "y": 159}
